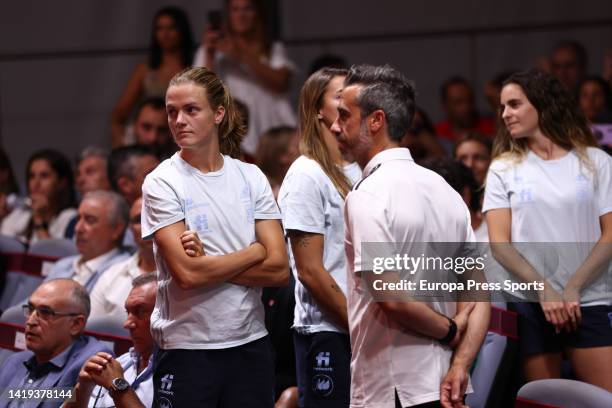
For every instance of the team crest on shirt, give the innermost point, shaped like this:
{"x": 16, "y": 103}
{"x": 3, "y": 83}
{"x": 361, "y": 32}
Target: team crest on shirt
{"x": 164, "y": 403}
{"x": 322, "y": 385}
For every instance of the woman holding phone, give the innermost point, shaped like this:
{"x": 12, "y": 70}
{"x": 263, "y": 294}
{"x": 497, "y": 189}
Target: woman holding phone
{"x": 208, "y": 319}
{"x": 257, "y": 70}
{"x": 549, "y": 183}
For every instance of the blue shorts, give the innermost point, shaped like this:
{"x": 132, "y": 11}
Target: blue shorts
{"x": 323, "y": 364}
{"x": 537, "y": 336}
{"x": 241, "y": 376}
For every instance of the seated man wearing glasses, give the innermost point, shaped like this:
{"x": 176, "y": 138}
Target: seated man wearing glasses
{"x": 56, "y": 348}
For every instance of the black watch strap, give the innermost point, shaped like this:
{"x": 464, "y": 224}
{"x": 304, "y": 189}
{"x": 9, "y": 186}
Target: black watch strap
{"x": 452, "y": 332}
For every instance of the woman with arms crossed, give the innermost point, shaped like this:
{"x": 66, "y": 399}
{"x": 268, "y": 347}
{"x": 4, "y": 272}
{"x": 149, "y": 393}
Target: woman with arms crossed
{"x": 312, "y": 201}
{"x": 208, "y": 319}
{"x": 548, "y": 183}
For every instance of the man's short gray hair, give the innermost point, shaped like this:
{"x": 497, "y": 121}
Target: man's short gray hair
{"x": 144, "y": 279}
{"x": 387, "y": 89}
{"x": 93, "y": 151}
{"x": 118, "y": 211}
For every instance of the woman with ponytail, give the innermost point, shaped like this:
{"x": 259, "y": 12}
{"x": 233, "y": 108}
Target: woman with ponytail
{"x": 312, "y": 201}
{"x": 208, "y": 319}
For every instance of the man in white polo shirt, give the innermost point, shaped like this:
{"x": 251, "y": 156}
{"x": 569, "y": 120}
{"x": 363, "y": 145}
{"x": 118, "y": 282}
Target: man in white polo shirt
{"x": 402, "y": 352}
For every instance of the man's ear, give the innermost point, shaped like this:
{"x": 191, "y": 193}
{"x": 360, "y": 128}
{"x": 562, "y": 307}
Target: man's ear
{"x": 118, "y": 231}
{"x": 376, "y": 121}
{"x": 78, "y": 325}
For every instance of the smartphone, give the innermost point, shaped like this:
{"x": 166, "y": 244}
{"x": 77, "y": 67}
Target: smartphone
{"x": 215, "y": 19}
{"x": 603, "y": 133}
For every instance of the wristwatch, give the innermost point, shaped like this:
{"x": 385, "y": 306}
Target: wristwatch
{"x": 452, "y": 331}
{"x": 120, "y": 385}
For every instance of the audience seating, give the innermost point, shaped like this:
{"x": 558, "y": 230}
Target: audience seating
{"x": 562, "y": 393}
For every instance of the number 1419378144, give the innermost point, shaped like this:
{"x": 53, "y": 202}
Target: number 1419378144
{"x": 48, "y": 394}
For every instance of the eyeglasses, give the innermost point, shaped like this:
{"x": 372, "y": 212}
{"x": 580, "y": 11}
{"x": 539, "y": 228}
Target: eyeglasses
{"x": 44, "y": 312}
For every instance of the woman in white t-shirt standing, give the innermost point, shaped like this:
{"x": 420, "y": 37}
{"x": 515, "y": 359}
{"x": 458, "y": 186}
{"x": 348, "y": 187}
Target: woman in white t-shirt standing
{"x": 208, "y": 319}
{"x": 312, "y": 202}
{"x": 549, "y": 183}
{"x": 256, "y": 70}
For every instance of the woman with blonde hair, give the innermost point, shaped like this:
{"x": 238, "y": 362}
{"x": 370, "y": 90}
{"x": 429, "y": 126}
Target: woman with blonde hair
{"x": 208, "y": 319}
{"x": 312, "y": 201}
{"x": 549, "y": 183}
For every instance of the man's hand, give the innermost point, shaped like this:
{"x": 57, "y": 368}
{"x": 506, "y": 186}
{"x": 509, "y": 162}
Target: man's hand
{"x": 453, "y": 386}
{"x": 192, "y": 244}
{"x": 102, "y": 368}
{"x": 461, "y": 320}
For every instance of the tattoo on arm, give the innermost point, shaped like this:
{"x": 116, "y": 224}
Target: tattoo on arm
{"x": 304, "y": 241}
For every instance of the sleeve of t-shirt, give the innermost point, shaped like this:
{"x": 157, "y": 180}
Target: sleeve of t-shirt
{"x": 265, "y": 204}
{"x": 496, "y": 195}
{"x": 161, "y": 205}
{"x": 604, "y": 184}
{"x": 366, "y": 221}
{"x": 303, "y": 206}
{"x": 279, "y": 58}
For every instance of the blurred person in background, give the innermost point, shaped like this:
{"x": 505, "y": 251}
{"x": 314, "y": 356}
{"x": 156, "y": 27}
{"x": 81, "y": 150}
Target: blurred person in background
{"x": 91, "y": 171}
{"x": 421, "y": 139}
{"x": 461, "y": 114}
{"x": 111, "y": 290}
{"x": 278, "y": 148}
{"x": 49, "y": 208}
{"x": 568, "y": 63}
{"x": 256, "y": 70}
{"x": 9, "y": 190}
{"x": 171, "y": 50}
{"x": 474, "y": 151}
{"x": 595, "y": 99}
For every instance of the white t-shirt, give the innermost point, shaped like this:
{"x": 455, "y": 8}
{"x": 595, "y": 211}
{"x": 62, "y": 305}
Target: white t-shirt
{"x": 397, "y": 202}
{"x": 554, "y": 201}
{"x": 112, "y": 289}
{"x": 309, "y": 202}
{"x": 222, "y": 207}
{"x": 16, "y": 223}
{"x": 267, "y": 108}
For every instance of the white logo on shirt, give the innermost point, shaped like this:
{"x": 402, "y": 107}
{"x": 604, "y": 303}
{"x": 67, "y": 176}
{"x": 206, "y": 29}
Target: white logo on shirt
{"x": 323, "y": 359}
{"x": 166, "y": 384}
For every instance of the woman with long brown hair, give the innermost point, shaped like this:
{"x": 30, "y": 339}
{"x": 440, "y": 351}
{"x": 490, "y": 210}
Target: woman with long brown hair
{"x": 549, "y": 183}
{"x": 256, "y": 69}
{"x": 170, "y": 51}
{"x": 312, "y": 201}
{"x": 208, "y": 319}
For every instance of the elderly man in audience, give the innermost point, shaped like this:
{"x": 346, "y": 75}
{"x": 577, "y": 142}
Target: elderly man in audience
{"x": 102, "y": 219}
{"x": 56, "y": 348}
{"x": 127, "y": 168}
{"x": 109, "y": 294}
{"x": 91, "y": 172}
{"x": 126, "y": 381}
